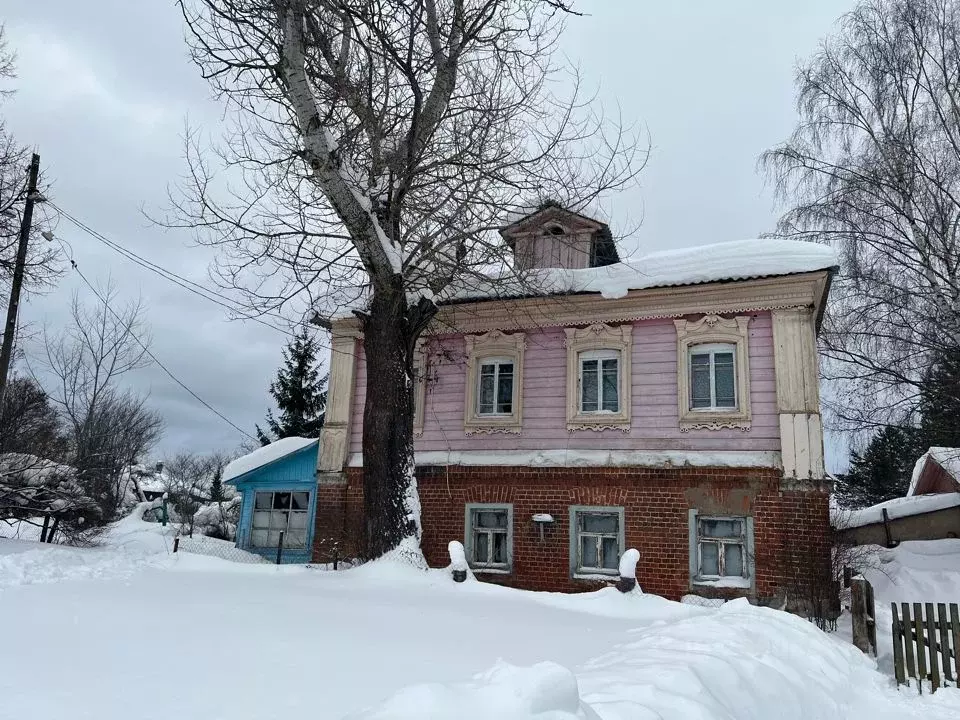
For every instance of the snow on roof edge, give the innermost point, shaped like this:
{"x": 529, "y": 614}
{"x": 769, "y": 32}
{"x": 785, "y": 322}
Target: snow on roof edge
{"x": 264, "y": 456}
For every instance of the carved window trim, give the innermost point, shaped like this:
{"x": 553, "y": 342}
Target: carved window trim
{"x": 493, "y": 344}
{"x": 599, "y": 337}
{"x": 707, "y": 330}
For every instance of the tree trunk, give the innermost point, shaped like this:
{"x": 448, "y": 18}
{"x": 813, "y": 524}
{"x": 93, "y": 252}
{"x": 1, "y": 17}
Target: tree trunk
{"x": 388, "y": 464}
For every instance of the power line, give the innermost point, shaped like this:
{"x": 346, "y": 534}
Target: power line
{"x": 153, "y": 357}
{"x": 217, "y": 298}
{"x": 189, "y": 285}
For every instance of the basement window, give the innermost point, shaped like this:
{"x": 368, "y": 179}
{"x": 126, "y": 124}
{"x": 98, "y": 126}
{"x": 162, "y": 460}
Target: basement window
{"x": 489, "y": 537}
{"x": 721, "y": 550}
{"x": 596, "y": 540}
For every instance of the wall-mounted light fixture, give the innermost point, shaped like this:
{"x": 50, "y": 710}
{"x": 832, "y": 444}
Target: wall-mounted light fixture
{"x": 542, "y": 519}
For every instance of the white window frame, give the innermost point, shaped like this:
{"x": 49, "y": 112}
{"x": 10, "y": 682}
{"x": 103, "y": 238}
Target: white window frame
{"x": 273, "y": 512}
{"x": 493, "y": 345}
{"x": 599, "y": 356}
{"x": 577, "y": 571}
{"x": 591, "y": 342}
{"x": 497, "y": 362}
{"x": 713, "y": 330}
{"x": 745, "y": 581}
{"x": 470, "y": 509}
{"x": 711, "y": 350}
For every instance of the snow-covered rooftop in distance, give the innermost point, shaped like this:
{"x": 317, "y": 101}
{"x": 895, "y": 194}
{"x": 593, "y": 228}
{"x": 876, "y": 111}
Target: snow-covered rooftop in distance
{"x": 947, "y": 458}
{"x": 739, "y": 260}
{"x": 896, "y": 508}
{"x": 264, "y": 456}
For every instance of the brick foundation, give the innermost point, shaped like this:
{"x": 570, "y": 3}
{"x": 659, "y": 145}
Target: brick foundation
{"x": 791, "y": 526}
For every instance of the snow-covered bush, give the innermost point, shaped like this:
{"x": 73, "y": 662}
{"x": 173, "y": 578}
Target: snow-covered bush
{"x": 218, "y": 519}
{"x": 33, "y": 487}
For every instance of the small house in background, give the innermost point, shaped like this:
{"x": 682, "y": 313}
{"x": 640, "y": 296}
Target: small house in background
{"x": 938, "y": 471}
{"x": 278, "y": 487}
{"x": 930, "y": 510}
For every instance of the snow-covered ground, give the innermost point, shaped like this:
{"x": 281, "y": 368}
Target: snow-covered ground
{"x": 129, "y": 630}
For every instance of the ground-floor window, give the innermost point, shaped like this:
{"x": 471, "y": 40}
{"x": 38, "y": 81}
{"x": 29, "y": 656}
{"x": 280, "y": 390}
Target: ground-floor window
{"x": 276, "y": 512}
{"x": 596, "y": 540}
{"x": 721, "y": 549}
{"x": 489, "y": 536}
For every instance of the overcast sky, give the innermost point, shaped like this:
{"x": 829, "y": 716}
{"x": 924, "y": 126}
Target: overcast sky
{"x": 105, "y": 88}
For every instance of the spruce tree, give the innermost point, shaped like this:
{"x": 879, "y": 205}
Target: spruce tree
{"x": 939, "y": 406}
{"x": 882, "y": 471}
{"x": 216, "y": 485}
{"x": 299, "y": 391}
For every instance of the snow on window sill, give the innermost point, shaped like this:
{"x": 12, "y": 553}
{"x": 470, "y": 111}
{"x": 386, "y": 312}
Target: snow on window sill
{"x": 724, "y": 582}
{"x": 491, "y": 570}
{"x": 596, "y": 575}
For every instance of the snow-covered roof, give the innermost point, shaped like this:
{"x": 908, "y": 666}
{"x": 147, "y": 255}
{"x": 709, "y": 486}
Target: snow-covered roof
{"x": 947, "y": 458}
{"x": 740, "y": 260}
{"x": 896, "y": 508}
{"x": 265, "y": 455}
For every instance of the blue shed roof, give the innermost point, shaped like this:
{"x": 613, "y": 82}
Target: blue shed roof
{"x": 241, "y": 468}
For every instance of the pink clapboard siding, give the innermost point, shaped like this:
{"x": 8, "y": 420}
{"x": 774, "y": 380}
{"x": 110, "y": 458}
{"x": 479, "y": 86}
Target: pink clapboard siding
{"x": 654, "y": 424}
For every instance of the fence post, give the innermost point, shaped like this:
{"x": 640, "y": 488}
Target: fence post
{"x": 53, "y": 529}
{"x": 897, "y": 645}
{"x": 280, "y": 549}
{"x": 43, "y": 530}
{"x": 176, "y": 543}
{"x": 859, "y": 609}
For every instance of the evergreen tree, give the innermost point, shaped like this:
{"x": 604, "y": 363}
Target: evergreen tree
{"x": 216, "y": 485}
{"x": 299, "y": 391}
{"x": 939, "y": 406}
{"x": 882, "y": 471}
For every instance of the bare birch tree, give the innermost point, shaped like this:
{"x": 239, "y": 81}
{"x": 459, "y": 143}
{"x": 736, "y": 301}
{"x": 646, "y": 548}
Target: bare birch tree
{"x": 377, "y": 145}
{"x": 873, "y": 167}
{"x": 108, "y": 428}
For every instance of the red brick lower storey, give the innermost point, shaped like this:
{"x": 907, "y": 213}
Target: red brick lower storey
{"x": 790, "y": 521}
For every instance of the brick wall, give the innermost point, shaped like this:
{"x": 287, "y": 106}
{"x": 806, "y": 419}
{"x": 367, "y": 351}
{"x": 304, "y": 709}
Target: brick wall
{"x": 791, "y": 527}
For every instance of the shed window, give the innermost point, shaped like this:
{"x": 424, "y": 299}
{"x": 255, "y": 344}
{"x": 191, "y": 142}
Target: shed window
{"x": 274, "y": 512}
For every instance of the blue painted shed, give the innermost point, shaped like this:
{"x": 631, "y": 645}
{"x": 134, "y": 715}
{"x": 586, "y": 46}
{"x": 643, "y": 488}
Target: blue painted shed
{"x": 278, "y": 486}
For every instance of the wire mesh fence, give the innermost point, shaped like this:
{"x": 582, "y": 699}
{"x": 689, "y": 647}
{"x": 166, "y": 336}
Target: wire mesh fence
{"x": 223, "y": 549}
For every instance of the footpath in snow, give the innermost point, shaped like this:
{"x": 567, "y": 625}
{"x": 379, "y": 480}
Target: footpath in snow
{"x": 130, "y": 630}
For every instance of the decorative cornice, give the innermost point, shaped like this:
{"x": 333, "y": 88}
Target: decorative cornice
{"x": 721, "y": 298}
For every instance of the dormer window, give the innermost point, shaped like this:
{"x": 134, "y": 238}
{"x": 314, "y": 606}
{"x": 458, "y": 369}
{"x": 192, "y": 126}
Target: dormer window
{"x": 553, "y": 237}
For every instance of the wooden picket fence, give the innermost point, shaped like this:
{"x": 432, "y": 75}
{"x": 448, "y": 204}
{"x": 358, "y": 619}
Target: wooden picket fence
{"x": 917, "y": 651}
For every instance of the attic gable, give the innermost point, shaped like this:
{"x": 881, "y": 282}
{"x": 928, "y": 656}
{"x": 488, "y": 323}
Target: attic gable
{"x": 553, "y": 237}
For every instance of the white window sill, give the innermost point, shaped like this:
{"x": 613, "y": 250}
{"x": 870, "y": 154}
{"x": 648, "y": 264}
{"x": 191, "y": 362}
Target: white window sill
{"x": 725, "y": 582}
{"x": 492, "y": 570}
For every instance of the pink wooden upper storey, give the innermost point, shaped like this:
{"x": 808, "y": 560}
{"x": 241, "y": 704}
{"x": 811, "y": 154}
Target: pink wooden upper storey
{"x": 655, "y": 414}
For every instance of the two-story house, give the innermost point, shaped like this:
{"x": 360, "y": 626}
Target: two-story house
{"x": 669, "y": 404}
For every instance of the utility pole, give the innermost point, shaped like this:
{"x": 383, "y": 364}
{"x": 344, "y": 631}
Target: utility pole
{"x": 26, "y": 222}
